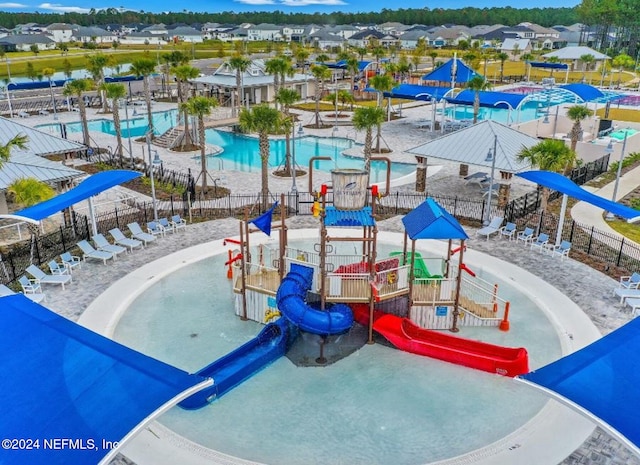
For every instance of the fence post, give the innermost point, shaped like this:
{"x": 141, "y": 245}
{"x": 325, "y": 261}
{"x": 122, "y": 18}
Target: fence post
{"x": 64, "y": 246}
{"x": 573, "y": 224}
{"x": 482, "y": 212}
{"x": 620, "y": 252}
{"x": 171, "y": 200}
{"x": 397, "y": 198}
{"x": 590, "y": 240}
{"x": 117, "y": 219}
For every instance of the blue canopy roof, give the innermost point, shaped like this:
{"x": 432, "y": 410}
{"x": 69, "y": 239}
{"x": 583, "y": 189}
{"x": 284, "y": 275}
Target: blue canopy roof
{"x": 584, "y": 91}
{"x": 342, "y": 64}
{"x": 603, "y": 379}
{"x": 488, "y": 99}
{"x": 443, "y": 73}
{"x": 430, "y": 221}
{"x": 416, "y": 92}
{"x": 548, "y": 65}
{"x": 61, "y": 380}
{"x": 36, "y": 84}
{"x": 565, "y": 185}
{"x": 89, "y": 187}
{"x": 335, "y": 217}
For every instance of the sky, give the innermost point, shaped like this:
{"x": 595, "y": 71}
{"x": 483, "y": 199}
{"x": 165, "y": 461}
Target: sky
{"x": 303, "y": 6}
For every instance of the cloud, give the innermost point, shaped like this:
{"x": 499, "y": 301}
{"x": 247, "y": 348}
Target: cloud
{"x": 64, "y": 9}
{"x": 12, "y": 5}
{"x": 256, "y": 2}
{"x": 312, "y": 2}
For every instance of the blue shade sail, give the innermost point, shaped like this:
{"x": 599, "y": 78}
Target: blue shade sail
{"x": 489, "y": 99}
{"x": 416, "y": 92}
{"x": 430, "y": 221}
{"x": 443, "y": 73}
{"x": 61, "y": 380}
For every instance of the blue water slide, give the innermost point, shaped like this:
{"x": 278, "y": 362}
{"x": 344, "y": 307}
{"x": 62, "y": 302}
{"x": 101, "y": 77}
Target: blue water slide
{"x": 244, "y": 362}
{"x": 291, "y": 301}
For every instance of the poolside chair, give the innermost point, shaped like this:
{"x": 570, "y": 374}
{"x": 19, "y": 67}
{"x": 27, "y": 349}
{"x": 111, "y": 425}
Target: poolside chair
{"x": 525, "y": 236}
{"x": 138, "y": 233}
{"x": 634, "y": 304}
{"x": 491, "y": 228}
{"x": 626, "y": 293}
{"x": 477, "y": 178}
{"x": 166, "y": 225}
{"x": 57, "y": 268}
{"x": 561, "y": 250}
{"x": 29, "y": 286}
{"x": 44, "y": 278}
{"x": 4, "y": 291}
{"x": 123, "y": 240}
{"x": 155, "y": 228}
{"x": 103, "y": 244}
{"x": 495, "y": 187}
{"x": 178, "y": 222}
{"x": 540, "y": 242}
{"x": 630, "y": 282}
{"x": 89, "y": 252}
{"x": 70, "y": 261}
{"x": 508, "y": 230}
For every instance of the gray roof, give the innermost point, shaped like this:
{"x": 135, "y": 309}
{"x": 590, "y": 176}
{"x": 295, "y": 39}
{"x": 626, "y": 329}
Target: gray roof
{"x": 225, "y": 80}
{"x": 91, "y": 32}
{"x": 574, "y": 53}
{"x": 40, "y": 143}
{"x": 28, "y": 39}
{"x": 59, "y": 27}
{"x": 266, "y": 27}
{"x": 24, "y": 165}
{"x": 471, "y": 145}
{"x": 184, "y": 31}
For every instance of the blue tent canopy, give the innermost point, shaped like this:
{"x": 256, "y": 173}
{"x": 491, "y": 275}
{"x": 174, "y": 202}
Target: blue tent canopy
{"x": 563, "y": 184}
{"x": 36, "y": 84}
{"x": 430, "y": 221}
{"x": 548, "y": 65}
{"x": 89, "y": 187}
{"x": 601, "y": 381}
{"x": 489, "y": 99}
{"x": 342, "y": 64}
{"x": 584, "y": 91}
{"x": 128, "y": 78}
{"x": 416, "y": 92}
{"x": 61, "y": 380}
{"x": 443, "y": 73}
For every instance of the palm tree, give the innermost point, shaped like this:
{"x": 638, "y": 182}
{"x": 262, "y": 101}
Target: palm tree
{"x": 18, "y": 141}
{"x": 353, "y": 68}
{"x": 502, "y": 57}
{"x": 144, "y": 67}
{"x": 586, "y": 60}
{"x": 577, "y": 114}
{"x": 200, "y": 107}
{"x": 433, "y": 55}
{"x": 381, "y": 83}
{"x": 548, "y": 155}
{"x": 276, "y": 66}
{"x": 96, "y": 65}
{"x": 183, "y": 73}
{"x": 170, "y": 61}
{"x": 240, "y": 63}
{"x": 301, "y": 56}
{"x": 477, "y": 84}
{"x": 29, "y": 191}
{"x": 76, "y": 88}
{"x": 263, "y": 120}
{"x": 116, "y": 91}
{"x": 286, "y": 98}
{"x": 622, "y": 61}
{"x": 366, "y": 118}
{"x": 48, "y": 73}
{"x": 321, "y": 73}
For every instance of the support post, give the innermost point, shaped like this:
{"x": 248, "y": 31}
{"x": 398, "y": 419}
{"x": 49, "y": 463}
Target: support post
{"x": 456, "y": 311}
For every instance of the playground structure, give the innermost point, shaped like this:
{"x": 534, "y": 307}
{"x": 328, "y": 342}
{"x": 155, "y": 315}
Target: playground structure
{"x": 404, "y": 296}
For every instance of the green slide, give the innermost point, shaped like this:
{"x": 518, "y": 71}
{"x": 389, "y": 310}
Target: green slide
{"x": 419, "y": 268}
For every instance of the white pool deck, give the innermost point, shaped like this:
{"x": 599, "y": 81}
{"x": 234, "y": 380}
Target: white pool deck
{"x": 548, "y": 438}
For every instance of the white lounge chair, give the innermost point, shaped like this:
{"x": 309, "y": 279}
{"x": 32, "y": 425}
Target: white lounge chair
{"x": 155, "y": 228}
{"x": 103, "y": 244}
{"x": 491, "y": 228}
{"x": 495, "y": 187}
{"x": 70, "y": 261}
{"x": 4, "y": 291}
{"x": 634, "y": 303}
{"x": 626, "y": 293}
{"x": 166, "y": 225}
{"x": 525, "y": 236}
{"x": 30, "y": 286}
{"x": 57, "y": 268}
{"x": 540, "y": 242}
{"x": 89, "y": 252}
{"x": 508, "y": 230}
{"x": 476, "y": 178}
{"x": 630, "y": 282}
{"x": 138, "y": 233}
{"x": 124, "y": 241}
{"x": 562, "y": 250}
{"x": 178, "y": 222}
{"x": 44, "y": 278}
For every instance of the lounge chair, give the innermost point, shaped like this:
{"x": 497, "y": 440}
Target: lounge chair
{"x": 634, "y": 303}
{"x": 166, "y": 225}
{"x": 43, "y": 112}
{"x": 540, "y": 242}
{"x": 178, "y": 222}
{"x": 23, "y": 114}
{"x": 4, "y": 291}
{"x": 626, "y": 293}
{"x": 70, "y": 261}
{"x": 525, "y": 236}
{"x": 103, "y": 244}
{"x": 29, "y": 286}
{"x": 495, "y": 187}
{"x": 138, "y": 233}
{"x": 44, "y": 278}
{"x": 89, "y": 252}
{"x": 57, "y": 268}
{"x": 562, "y": 250}
{"x": 630, "y": 282}
{"x": 155, "y": 228}
{"x": 508, "y": 230}
{"x": 124, "y": 241}
{"x": 476, "y": 178}
{"x": 491, "y": 228}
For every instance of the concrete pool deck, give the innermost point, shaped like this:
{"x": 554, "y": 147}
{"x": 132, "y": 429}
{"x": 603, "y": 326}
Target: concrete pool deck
{"x": 598, "y": 304}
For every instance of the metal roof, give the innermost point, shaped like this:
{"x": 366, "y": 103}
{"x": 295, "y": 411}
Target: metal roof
{"x": 471, "y": 146}
{"x": 574, "y": 53}
{"x": 40, "y": 143}
{"x": 348, "y": 218}
{"x": 23, "y": 165}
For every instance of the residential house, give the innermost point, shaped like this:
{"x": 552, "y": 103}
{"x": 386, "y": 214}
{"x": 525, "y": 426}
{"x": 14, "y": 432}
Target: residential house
{"x": 544, "y": 37}
{"x": 4, "y": 32}
{"x": 93, "y": 34}
{"x": 515, "y": 48}
{"x": 23, "y": 42}
{"x": 155, "y": 29}
{"x": 143, "y": 38}
{"x": 60, "y": 32}
{"x": 571, "y": 55}
{"x": 325, "y": 40}
{"x": 448, "y": 36}
{"x": 185, "y": 34}
{"x": 29, "y": 28}
{"x": 409, "y": 40}
{"x": 345, "y": 31}
{"x": 392, "y": 28}
{"x": 265, "y": 31}
{"x": 364, "y": 38}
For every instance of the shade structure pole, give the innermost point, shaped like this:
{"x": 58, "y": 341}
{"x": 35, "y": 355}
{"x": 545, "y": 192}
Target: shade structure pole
{"x": 92, "y": 217}
{"x": 456, "y": 304}
{"x": 563, "y": 212}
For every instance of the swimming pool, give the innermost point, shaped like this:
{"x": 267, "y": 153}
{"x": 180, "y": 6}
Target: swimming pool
{"x": 377, "y": 406}
{"x": 620, "y": 134}
{"x": 528, "y": 111}
{"x": 242, "y": 153}
{"x": 137, "y": 125}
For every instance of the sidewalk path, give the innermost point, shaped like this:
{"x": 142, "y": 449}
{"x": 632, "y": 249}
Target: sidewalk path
{"x": 588, "y": 214}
